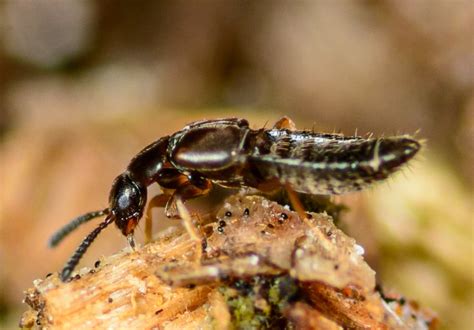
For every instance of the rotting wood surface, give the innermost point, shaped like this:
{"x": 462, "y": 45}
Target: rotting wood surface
{"x": 164, "y": 286}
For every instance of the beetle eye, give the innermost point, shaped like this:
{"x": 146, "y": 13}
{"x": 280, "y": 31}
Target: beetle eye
{"x": 123, "y": 201}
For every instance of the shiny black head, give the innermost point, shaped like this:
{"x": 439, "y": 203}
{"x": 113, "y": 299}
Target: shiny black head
{"x": 126, "y": 202}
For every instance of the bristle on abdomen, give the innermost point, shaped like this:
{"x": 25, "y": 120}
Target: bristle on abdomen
{"x": 332, "y": 164}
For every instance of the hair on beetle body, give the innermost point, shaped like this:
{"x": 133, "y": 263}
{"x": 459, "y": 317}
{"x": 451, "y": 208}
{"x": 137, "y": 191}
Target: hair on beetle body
{"x": 229, "y": 153}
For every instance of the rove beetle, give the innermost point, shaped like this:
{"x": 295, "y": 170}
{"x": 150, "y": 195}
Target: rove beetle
{"x": 229, "y": 153}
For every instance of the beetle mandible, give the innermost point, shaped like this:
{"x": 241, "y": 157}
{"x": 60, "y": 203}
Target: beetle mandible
{"x": 229, "y": 153}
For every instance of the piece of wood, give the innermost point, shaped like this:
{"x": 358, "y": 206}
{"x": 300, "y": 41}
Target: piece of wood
{"x": 160, "y": 285}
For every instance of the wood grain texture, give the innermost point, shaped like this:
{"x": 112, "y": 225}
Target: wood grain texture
{"x": 163, "y": 286}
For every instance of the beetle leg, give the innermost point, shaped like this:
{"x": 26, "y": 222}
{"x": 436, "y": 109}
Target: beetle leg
{"x": 285, "y": 123}
{"x": 170, "y": 178}
{"x": 185, "y": 187}
{"x": 157, "y": 201}
{"x": 269, "y": 185}
{"x": 297, "y": 205}
{"x": 171, "y": 210}
{"x": 190, "y": 227}
{"x": 193, "y": 187}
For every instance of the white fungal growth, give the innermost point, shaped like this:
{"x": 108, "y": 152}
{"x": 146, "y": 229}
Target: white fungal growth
{"x": 359, "y": 250}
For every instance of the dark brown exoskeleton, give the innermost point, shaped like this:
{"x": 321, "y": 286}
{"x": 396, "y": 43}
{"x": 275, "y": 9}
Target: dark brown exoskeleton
{"x": 229, "y": 153}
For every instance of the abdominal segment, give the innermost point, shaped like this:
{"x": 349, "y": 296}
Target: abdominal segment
{"x": 330, "y": 164}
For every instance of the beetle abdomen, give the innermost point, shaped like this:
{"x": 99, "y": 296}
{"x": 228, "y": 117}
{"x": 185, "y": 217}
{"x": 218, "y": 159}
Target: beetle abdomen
{"x": 328, "y": 163}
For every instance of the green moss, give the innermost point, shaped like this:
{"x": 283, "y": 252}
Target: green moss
{"x": 258, "y": 303}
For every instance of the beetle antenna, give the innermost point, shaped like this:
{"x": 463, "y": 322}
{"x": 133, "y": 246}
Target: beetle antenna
{"x": 74, "y": 260}
{"x": 71, "y": 226}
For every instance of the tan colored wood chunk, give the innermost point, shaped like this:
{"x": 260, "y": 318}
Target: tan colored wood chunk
{"x": 161, "y": 286}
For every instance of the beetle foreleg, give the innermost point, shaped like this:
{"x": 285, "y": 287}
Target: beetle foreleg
{"x": 190, "y": 227}
{"x": 184, "y": 192}
{"x": 194, "y": 187}
{"x": 157, "y": 201}
{"x": 186, "y": 187}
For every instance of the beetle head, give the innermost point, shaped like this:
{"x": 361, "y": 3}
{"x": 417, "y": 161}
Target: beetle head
{"x": 126, "y": 202}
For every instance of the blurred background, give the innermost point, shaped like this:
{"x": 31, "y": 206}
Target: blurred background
{"x": 84, "y": 85}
